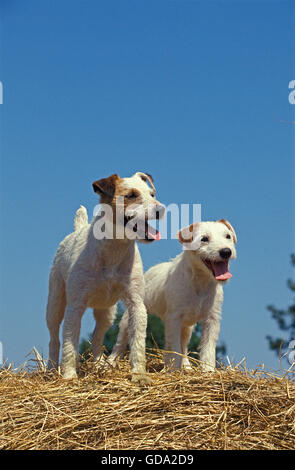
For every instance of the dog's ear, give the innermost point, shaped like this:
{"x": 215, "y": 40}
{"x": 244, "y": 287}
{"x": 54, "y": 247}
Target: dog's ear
{"x": 150, "y": 177}
{"x": 146, "y": 177}
{"x": 186, "y": 234}
{"x": 230, "y": 227}
{"x": 106, "y": 186}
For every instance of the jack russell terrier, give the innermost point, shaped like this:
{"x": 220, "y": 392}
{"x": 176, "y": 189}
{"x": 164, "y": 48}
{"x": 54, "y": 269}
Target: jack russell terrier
{"x": 189, "y": 289}
{"x": 89, "y": 271}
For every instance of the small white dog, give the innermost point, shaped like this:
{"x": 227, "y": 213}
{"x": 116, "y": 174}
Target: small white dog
{"x": 96, "y": 273}
{"x": 189, "y": 289}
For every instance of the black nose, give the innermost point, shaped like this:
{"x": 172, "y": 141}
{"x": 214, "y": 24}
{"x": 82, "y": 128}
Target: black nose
{"x": 225, "y": 253}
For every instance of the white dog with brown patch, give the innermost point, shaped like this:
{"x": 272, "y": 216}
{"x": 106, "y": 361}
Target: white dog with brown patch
{"x": 189, "y": 289}
{"x": 96, "y": 273}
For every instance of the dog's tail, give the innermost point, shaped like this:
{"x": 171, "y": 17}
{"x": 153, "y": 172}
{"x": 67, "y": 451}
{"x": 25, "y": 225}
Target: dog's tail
{"x": 81, "y": 218}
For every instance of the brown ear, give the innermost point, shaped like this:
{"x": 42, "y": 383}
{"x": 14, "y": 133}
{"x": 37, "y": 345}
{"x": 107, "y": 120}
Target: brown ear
{"x": 186, "y": 234}
{"x": 106, "y": 186}
{"x": 146, "y": 177}
{"x": 150, "y": 177}
{"x": 230, "y": 227}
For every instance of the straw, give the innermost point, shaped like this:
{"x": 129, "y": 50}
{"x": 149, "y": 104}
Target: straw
{"x": 232, "y": 408}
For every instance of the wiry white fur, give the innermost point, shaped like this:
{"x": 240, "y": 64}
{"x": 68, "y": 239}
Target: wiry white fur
{"x": 87, "y": 272}
{"x": 81, "y": 218}
{"x": 183, "y": 292}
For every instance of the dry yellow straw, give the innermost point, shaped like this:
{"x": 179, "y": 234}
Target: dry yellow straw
{"x": 229, "y": 409}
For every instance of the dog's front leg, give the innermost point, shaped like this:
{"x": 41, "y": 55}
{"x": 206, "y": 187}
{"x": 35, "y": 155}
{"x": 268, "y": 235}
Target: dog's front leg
{"x": 210, "y": 333}
{"x": 137, "y": 322}
{"x": 173, "y": 358}
{"x": 71, "y": 332}
{"x": 122, "y": 340}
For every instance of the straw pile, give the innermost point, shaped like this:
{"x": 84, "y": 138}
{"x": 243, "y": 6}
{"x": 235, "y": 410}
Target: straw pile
{"x": 230, "y": 409}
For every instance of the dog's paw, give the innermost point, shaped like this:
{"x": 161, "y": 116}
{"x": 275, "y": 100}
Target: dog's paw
{"x": 186, "y": 365}
{"x": 104, "y": 366}
{"x": 141, "y": 379}
{"x": 112, "y": 361}
{"x": 187, "y": 369}
{"x": 101, "y": 362}
{"x": 207, "y": 368}
{"x": 69, "y": 374}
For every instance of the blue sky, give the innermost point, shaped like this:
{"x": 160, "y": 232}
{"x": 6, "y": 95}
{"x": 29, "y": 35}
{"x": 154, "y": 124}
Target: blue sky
{"x": 193, "y": 92}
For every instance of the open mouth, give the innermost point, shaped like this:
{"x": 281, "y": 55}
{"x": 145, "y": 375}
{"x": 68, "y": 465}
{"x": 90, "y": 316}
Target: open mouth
{"x": 219, "y": 269}
{"x": 143, "y": 230}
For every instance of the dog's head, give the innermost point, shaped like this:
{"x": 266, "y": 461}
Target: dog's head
{"x": 212, "y": 245}
{"x": 133, "y": 202}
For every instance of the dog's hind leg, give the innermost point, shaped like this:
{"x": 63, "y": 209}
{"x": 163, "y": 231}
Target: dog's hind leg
{"x": 186, "y": 333}
{"x": 173, "y": 359}
{"x": 122, "y": 339}
{"x": 137, "y": 323}
{"x": 104, "y": 319}
{"x": 54, "y": 315}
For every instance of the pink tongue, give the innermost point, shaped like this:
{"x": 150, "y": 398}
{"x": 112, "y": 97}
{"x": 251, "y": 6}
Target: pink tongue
{"x": 221, "y": 270}
{"x": 151, "y": 231}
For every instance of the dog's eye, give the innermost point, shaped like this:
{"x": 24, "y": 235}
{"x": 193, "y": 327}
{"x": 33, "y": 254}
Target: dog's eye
{"x": 131, "y": 195}
{"x": 228, "y": 236}
{"x": 204, "y": 239}
{"x": 153, "y": 194}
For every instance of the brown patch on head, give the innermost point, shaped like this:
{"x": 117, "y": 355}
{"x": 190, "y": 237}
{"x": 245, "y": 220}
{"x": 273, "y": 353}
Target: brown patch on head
{"x": 186, "y": 234}
{"x": 116, "y": 194}
{"x": 230, "y": 227}
{"x": 130, "y": 195}
{"x": 106, "y": 187}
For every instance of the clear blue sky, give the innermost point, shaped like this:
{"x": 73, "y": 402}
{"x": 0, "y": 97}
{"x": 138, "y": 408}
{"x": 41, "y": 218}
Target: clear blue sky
{"x": 192, "y": 92}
